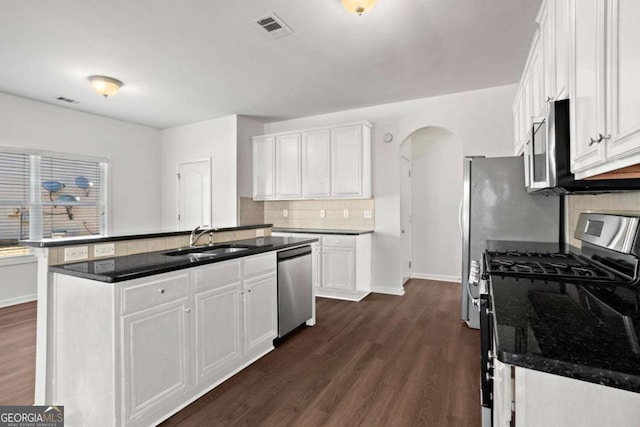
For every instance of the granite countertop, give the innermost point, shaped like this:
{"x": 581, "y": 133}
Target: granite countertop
{"x": 320, "y": 231}
{"x": 89, "y": 239}
{"x": 141, "y": 265}
{"x": 566, "y": 329}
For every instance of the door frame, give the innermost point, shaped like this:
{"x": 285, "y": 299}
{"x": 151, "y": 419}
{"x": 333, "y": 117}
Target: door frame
{"x": 210, "y": 210}
{"x": 409, "y": 234}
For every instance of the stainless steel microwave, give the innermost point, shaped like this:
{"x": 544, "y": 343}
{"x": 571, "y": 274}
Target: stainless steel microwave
{"x": 547, "y": 158}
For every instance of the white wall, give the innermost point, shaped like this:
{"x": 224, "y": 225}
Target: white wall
{"x": 481, "y": 119}
{"x": 436, "y": 191}
{"x": 19, "y": 281}
{"x": 132, "y": 150}
{"x": 217, "y": 139}
{"x": 247, "y": 128}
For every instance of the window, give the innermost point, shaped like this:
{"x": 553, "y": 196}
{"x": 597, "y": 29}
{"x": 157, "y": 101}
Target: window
{"x": 45, "y": 195}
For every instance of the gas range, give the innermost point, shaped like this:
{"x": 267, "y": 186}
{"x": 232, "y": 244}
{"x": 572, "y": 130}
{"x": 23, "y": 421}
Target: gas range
{"x": 609, "y": 255}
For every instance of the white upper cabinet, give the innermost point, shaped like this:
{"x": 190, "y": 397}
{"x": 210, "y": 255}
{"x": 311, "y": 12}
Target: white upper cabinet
{"x": 288, "y": 168}
{"x": 588, "y": 71}
{"x": 346, "y": 161}
{"x": 536, "y": 81}
{"x": 314, "y": 164}
{"x": 623, "y": 69}
{"x": 264, "y": 168}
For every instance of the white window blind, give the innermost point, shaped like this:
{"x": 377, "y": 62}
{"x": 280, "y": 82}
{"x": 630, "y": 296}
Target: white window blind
{"x": 49, "y": 196}
{"x": 14, "y": 200}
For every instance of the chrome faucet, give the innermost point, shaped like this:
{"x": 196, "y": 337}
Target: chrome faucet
{"x": 199, "y": 232}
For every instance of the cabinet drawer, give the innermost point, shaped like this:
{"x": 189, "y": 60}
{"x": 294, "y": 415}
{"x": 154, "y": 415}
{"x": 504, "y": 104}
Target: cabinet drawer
{"x": 259, "y": 264}
{"x": 339, "y": 241}
{"x": 216, "y": 275}
{"x": 157, "y": 292}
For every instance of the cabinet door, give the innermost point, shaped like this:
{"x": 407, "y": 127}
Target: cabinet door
{"x": 338, "y": 268}
{"x": 155, "y": 363}
{"x": 218, "y": 334}
{"x": 518, "y": 141}
{"x": 316, "y": 164}
{"x": 288, "y": 167}
{"x": 537, "y": 79}
{"x": 346, "y": 161}
{"x": 587, "y": 102}
{"x": 548, "y": 51}
{"x": 261, "y": 312}
{"x": 624, "y": 72}
{"x": 562, "y": 48}
{"x": 264, "y": 183}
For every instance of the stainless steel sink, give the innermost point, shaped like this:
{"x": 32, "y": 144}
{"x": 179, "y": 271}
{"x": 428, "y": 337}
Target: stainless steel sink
{"x": 208, "y": 251}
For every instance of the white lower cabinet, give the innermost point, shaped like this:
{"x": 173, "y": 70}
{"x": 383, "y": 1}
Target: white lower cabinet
{"x": 540, "y": 399}
{"x": 341, "y": 264}
{"x": 135, "y": 352}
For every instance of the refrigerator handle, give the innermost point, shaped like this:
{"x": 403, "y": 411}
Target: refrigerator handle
{"x": 460, "y": 218}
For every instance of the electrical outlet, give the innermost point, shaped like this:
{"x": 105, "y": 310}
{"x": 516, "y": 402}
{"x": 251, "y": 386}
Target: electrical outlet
{"x": 107, "y": 249}
{"x": 76, "y": 253}
{"x": 346, "y": 213}
{"x": 323, "y": 213}
{"x": 285, "y": 213}
{"x": 368, "y": 214}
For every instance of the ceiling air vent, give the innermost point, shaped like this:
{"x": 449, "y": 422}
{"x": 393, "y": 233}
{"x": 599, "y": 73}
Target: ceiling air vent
{"x": 69, "y": 100}
{"x": 273, "y": 26}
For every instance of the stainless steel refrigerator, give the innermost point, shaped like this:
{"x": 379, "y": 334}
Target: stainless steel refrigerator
{"x": 495, "y": 206}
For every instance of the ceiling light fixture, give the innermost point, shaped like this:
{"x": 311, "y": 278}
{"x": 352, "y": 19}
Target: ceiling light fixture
{"x": 358, "y": 6}
{"x": 105, "y": 86}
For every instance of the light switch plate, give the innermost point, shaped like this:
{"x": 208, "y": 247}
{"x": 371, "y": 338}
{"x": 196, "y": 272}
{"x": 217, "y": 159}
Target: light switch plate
{"x": 346, "y": 213}
{"x": 323, "y": 213}
{"x": 285, "y": 213}
{"x": 107, "y": 249}
{"x": 76, "y": 253}
{"x": 368, "y": 214}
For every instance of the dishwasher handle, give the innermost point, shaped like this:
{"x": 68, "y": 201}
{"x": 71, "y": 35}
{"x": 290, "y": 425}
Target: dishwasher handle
{"x": 294, "y": 253}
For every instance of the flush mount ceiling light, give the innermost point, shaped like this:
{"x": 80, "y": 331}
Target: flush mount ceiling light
{"x": 105, "y": 86}
{"x": 358, "y": 6}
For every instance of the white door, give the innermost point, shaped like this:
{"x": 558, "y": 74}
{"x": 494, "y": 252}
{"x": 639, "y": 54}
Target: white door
{"x": 218, "y": 331}
{"x": 624, "y": 85}
{"x": 288, "y": 166}
{"x": 156, "y": 366}
{"x": 405, "y": 221}
{"x": 587, "y": 92}
{"x": 260, "y": 305}
{"x": 316, "y": 164}
{"x": 346, "y": 161}
{"x": 338, "y": 268}
{"x": 194, "y": 194}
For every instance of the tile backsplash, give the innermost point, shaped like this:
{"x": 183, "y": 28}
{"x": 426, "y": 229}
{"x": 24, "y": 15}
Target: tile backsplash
{"x": 628, "y": 202}
{"x": 307, "y": 213}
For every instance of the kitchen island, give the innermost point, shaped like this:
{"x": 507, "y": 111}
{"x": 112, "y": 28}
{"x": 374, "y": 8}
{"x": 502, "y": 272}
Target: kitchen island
{"x": 133, "y": 339}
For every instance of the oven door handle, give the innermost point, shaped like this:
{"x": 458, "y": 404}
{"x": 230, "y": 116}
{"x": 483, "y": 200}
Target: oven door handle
{"x": 486, "y": 358}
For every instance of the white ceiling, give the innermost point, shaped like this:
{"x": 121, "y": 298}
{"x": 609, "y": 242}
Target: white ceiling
{"x": 187, "y": 61}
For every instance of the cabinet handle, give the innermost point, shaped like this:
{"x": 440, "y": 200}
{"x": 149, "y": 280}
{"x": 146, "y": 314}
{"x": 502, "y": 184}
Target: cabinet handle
{"x": 549, "y": 98}
{"x": 601, "y": 137}
{"x": 187, "y": 310}
{"x": 593, "y": 141}
{"x": 248, "y": 290}
{"x": 161, "y": 290}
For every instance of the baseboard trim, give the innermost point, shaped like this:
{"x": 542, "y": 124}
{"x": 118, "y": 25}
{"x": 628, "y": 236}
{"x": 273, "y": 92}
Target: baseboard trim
{"x": 438, "y": 277}
{"x": 387, "y": 290}
{"x": 18, "y": 300}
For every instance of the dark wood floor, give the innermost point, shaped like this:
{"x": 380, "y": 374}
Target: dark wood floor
{"x": 17, "y": 354}
{"x": 383, "y": 361}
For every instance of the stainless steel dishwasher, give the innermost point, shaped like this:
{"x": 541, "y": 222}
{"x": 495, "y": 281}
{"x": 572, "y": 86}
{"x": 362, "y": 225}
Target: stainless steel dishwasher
{"x": 295, "y": 289}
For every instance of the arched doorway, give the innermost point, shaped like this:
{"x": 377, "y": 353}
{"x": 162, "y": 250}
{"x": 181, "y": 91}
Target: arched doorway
{"x": 431, "y": 189}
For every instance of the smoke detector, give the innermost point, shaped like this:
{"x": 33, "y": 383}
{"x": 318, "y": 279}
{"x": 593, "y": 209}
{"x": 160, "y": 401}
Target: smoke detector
{"x": 273, "y": 25}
